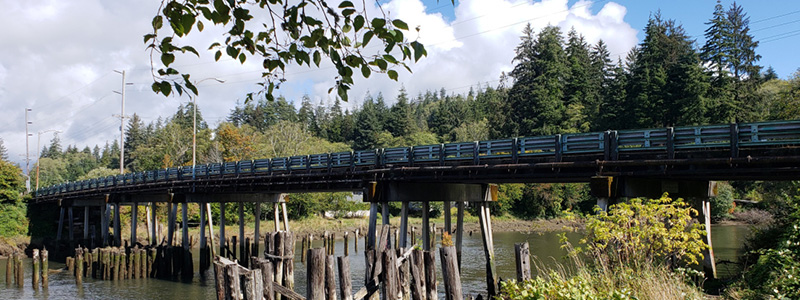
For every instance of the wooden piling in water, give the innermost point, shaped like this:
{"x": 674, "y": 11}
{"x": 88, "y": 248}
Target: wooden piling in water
{"x": 219, "y": 278}
{"x": 45, "y": 268}
{"x": 523, "y": 259}
{"x": 316, "y": 279}
{"x": 79, "y": 266}
{"x": 19, "y": 270}
{"x": 345, "y": 282}
{"x": 391, "y": 278}
{"x": 288, "y": 253}
{"x": 405, "y": 273}
{"x": 450, "y": 273}
{"x": 36, "y": 273}
{"x": 267, "y": 275}
{"x": 418, "y": 291}
{"x": 430, "y": 274}
{"x": 232, "y": 272}
{"x": 254, "y": 285}
{"x": 330, "y": 281}
{"x": 345, "y": 244}
{"x": 10, "y": 269}
{"x": 355, "y": 240}
{"x": 303, "y": 248}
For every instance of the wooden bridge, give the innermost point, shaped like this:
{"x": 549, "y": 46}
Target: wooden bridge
{"x": 683, "y": 161}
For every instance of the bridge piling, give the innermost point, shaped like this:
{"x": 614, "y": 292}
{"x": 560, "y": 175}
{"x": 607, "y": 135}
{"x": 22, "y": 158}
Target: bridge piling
{"x": 404, "y": 225}
{"x": 256, "y": 230}
{"x": 60, "y": 224}
{"x": 171, "y": 223}
{"x": 71, "y": 225}
{"x": 459, "y": 231}
{"x": 134, "y": 217}
{"x": 244, "y": 260}
{"x": 153, "y": 224}
{"x": 185, "y": 226}
{"x": 222, "y": 229}
{"x": 85, "y": 223}
{"x": 117, "y": 233}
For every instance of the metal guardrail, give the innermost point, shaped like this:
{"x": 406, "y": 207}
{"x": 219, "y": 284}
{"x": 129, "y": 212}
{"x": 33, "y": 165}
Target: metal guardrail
{"x": 734, "y": 136}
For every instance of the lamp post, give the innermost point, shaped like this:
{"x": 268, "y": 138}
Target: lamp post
{"x": 39, "y": 152}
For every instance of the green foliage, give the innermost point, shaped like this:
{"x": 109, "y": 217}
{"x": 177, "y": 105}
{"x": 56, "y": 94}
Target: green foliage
{"x": 308, "y": 30}
{"x": 11, "y": 183}
{"x": 722, "y": 204}
{"x": 548, "y": 200}
{"x": 646, "y": 231}
{"x": 774, "y": 271}
{"x": 3, "y": 151}
{"x": 99, "y": 173}
{"x": 13, "y": 220}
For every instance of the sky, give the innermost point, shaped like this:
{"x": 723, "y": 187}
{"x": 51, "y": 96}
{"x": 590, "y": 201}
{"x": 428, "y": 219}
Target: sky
{"x": 58, "y": 58}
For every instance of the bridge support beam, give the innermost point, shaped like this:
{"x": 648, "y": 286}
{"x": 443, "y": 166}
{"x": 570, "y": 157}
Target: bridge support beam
{"x": 104, "y": 211}
{"x": 459, "y": 231}
{"x": 222, "y": 230}
{"x": 85, "y": 223}
{"x": 256, "y": 230}
{"x": 117, "y": 233}
{"x": 71, "y": 225}
{"x": 709, "y": 264}
{"x": 134, "y": 217}
{"x": 242, "y": 259}
{"x": 60, "y": 223}
{"x": 185, "y": 226}
{"x": 404, "y": 225}
{"x": 171, "y": 216}
{"x": 153, "y": 224}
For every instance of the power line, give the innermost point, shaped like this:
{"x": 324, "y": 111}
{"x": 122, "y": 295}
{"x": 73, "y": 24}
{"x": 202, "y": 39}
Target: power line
{"x": 775, "y": 17}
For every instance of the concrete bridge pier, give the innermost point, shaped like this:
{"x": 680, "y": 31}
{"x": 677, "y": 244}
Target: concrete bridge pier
{"x": 607, "y": 188}
{"x": 380, "y": 194}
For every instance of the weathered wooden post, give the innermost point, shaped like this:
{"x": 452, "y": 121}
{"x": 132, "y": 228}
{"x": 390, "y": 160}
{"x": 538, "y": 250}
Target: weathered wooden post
{"x": 19, "y": 270}
{"x": 450, "y": 273}
{"x": 330, "y": 281}
{"x": 303, "y": 248}
{"x": 254, "y": 285}
{"x": 79, "y": 266}
{"x": 243, "y": 258}
{"x": 315, "y": 270}
{"x": 459, "y": 230}
{"x": 523, "y": 255}
{"x": 267, "y": 274}
{"x": 405, "y": 273}
{"x": 418, "y": 291}
{"x": 234, "y": 287}
{"x": 346, "y": 243}
{"x": 134, "y": 218}
{"x": 278, "y": 251}
{"x": 488, "y": 248}
{"x": 345, "y": 283}
{"x": 222, "y": 229}
{"x": 430, "y": 274}
{"x": 45, "y": 268}
{"x": 10, "y": 269}
{"x": 36, "y": 269}
{"x": 355, "y": 240}
{"x": 391, "y": 277}
{"x": 219, "y": 278}
{"x": 117, "y": 233}
{"x": 288, "y": 254}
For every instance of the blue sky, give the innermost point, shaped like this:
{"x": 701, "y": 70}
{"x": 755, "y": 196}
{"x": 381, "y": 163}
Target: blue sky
{"x": 58, "y": 57}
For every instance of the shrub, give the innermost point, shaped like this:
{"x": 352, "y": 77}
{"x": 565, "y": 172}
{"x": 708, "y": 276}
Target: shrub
{"x": 645, "y": 231}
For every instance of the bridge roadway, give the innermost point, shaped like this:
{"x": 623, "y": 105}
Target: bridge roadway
{"x": 738, "y": 151}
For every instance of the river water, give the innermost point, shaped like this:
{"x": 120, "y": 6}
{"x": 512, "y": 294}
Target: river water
{"x": 727, "y": 241}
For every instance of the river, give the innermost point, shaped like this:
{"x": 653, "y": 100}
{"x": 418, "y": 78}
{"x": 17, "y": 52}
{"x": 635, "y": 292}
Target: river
{"x": 727, "y": 241}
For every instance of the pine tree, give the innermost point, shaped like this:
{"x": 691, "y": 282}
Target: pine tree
{"x": 305, "y": 115}
{"x": 717, "y": 54}
{"x": 743, "y": 64}
{"x": 537, "y": 97}
{"x": 54, "y": 150}
{"x": 3, "y": 151}
{"x": 602, "y": 75}
{"x": 667, "y": 85}
{"x": 369, "y": 125}
{"x": 135, "y": 136}
{"x": 400, "y": 118}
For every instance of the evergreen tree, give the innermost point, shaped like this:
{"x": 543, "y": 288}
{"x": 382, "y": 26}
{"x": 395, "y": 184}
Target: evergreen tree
{"x": 96, "y": 153}
{"x": 770, "y": 74}
{"x": 400, "y": 118}
{"x": 333, "y": 132}
{"x": 716, "y": 54}
{"x": 602, "y": 76}
{"x": 305, "y": 115}
{"x": 743, "y": 55}
{"x": 369, "y": 125}
{"x": 3, "y": 151}
{"x": 135, "y": 136}
{"x": 536, "y": 98}
{"x": 611, "y": 110}
{"x": 54, "y": 150}
{"x": 667, "y": 86}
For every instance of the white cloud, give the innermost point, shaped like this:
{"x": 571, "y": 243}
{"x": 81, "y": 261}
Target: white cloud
{"x": 58, "y": 58}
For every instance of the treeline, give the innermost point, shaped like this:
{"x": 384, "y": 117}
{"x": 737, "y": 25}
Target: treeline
{"x": 559, "y": 84}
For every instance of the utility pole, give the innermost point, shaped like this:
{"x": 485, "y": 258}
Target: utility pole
{"x": 27, "y": 152}
{"x": 122, "y": 126}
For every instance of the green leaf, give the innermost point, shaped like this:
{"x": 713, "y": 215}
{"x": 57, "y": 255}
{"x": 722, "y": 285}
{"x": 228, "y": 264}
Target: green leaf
{"x": 191, "y": 86}
{"x": 390, "y": 58}
{"x": 381, "y": 64}
{"x": 158, "y": 22}
{"x": 365, "y": 71}
{"x": 342, "y": 91}
{"x": 200, "y": 26}
{"x": 346, "y": 28}
{"x": 345, "y": 4}
{"x": 191, "y": 49}
{"x": 400, "y": 24}
{"x": 167, "y": 58}
{"x": 148, "y": 37}
{"x": 358, "y": 22}
{"x": 367, "y": 37}
{"x": 178, "y": 89}
{"x": 419, "y": 50}
{"x": 378, "y": 23}
{"x": 242, "y": 57}
{"x": 165, "y": 88}
{"x": 392, "y": 74}
{"x": 217, "y": 55}
{"x": 157, "y": 87}
{"x": 187, "y": 21}
{"x": 348, "y": 12}
{"x": 317, "y": 58}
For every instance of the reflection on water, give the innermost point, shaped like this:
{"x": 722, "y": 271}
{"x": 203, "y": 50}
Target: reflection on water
{"x": 727, "y": 241}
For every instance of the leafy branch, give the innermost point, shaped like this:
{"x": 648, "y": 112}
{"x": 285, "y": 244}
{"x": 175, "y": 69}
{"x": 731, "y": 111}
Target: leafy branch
{"x": 301, "y": 34}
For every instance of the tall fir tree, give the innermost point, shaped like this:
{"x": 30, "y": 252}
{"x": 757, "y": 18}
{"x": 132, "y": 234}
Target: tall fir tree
{"x": 716, "y": 53}
{"x": 667, "y": 86}
{"x": 3, "y": 151}
{"x": 54, "y": 150}
{"x": 601, "y": 76}
{"x": 135, "y": 136}
{"x": 400, "y": 119}
{"x": 536, "y": 100}
{"x": 369, "y": 125}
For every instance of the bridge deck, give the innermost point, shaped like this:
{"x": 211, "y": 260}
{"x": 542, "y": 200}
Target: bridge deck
{"x": 763, "y": 151}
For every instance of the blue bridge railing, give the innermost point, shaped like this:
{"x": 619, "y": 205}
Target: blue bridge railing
{"x": 610, "y": 144}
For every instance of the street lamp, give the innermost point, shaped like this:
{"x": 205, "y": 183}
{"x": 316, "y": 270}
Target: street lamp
{"x": 194, "y": 124}
{"x": 39, "y": 152}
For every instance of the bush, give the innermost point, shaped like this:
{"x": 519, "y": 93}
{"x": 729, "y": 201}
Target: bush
{"x": 645, "y": 231}
{"x": 12, "y": 219}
